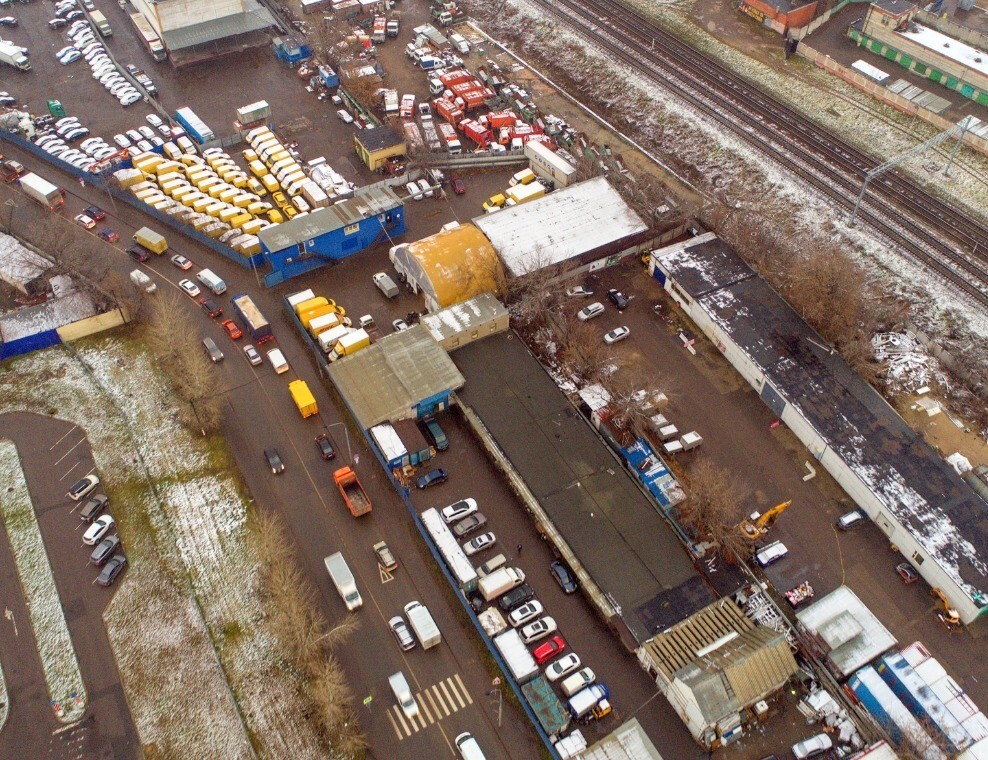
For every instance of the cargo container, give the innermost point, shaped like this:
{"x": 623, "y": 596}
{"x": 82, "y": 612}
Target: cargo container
{"x": 888, "y": 710}
{"x": 516, "y": 656}
{"x": 917, "y": 696}
{"x": 314, "y": 195}
{"x": 294, "y": 299}
{"x": 195, "y": 126}
{"x": 549, "y": 165}
{"x": 148, "y": 36}
{"x": 422, "y": 623}
{"x": 254, "y": 321}
{"x": 254, "y": 112}
{"x": 343, "y": 579}
{"x": 41, "y": 190}
{"x": 592, "y": 701}
{"x": 13, "y": 55}
{"x": 322, "y": 324}
{"x": 303, "y": 398}
{"x": 523, "y": 193}
{"x": 102, "y": 25}
{"x": 550, "y": 711}
{"x": 350, "y": 344}
{"x": 151, "y": 240}
{"x": 354, "y": 495}
{"x": 500, "y": 582}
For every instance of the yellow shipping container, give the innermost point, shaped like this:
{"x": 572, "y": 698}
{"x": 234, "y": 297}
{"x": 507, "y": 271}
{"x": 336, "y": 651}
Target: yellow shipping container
{"x": 239, "y": 220}
{"x": 307, "y": 315}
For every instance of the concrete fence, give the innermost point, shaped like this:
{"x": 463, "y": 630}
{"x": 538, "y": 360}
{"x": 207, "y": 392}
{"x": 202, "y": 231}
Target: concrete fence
{"x": 878, "y": 92}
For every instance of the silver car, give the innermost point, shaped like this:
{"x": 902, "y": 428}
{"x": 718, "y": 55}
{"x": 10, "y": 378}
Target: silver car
{"x": 401, "y": 633}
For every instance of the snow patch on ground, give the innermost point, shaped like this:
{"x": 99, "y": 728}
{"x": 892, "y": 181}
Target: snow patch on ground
{"x": 51, "y": 633}
{"x": 188, "y": 544}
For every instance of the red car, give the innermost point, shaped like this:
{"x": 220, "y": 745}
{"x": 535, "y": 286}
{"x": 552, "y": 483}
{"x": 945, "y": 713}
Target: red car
{"x": 210, "y": 306}
{"x": 907, "y": 572}
{"x": 459, "y": 187}
{"x": 545, "y": 652}
{"x": 231, "y": 329}
{"x": 110, "y": 236}
{"x": 95, "y": 212}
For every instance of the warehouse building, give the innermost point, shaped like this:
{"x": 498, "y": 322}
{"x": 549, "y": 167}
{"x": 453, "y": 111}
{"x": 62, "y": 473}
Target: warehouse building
{"x": 375, "y": 146}
{"x": 198, "y": 30}
{"x": 449, "y": 267}
{"x": 402, "y": 376}
{"x": 463, "y": 323}
{"x": 715, "y": 667}
{"x": 587, "y": 225}
{"x": 330, "y": 234}
{"x": 921, "y": 504}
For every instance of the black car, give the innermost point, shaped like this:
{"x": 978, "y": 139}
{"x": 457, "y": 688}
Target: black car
{"x": 95, "y": 213}
{"x": 516, "y": 597}
{"x": 139, "y": 253}
{"x": 104, "y": 550}
{"x": 433, "y": 478}
{"x": 619, "y": 299}
{"x": 8, "y": 21}
{"x": 325, "y": 446}
{"x": 211, "y": 307}
{"x": 111, "y": 570}
{"x": 274, "y": 461}
{"x": 564, "y": 577}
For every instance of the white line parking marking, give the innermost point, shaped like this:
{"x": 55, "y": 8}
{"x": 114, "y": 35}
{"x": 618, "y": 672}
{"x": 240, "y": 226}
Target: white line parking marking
{"x": 63, "y": 437}
{"x": 80, "y": 441}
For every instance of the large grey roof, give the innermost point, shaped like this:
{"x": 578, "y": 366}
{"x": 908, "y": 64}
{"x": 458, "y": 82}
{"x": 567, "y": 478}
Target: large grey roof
{"x": 618, "y": 536}
{"x": 386, "y": 380}
{"x": 463, "y": 316}
{"x": 254, "y": 19}
{"x": 365, "y": 202}
{"x": 914, "y": 483}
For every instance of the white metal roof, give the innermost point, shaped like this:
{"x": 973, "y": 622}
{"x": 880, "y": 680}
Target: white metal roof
{"x": 19, "y": 265}
{"x": 561, "y": 225}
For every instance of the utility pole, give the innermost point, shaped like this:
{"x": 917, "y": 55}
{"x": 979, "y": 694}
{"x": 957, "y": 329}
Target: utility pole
{"x": 957, "y": 131}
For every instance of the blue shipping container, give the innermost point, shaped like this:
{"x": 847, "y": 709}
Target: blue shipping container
{"x": 887, "y": 709}
{"x": 921, "y": 701}
{"x": 195, "y": 126}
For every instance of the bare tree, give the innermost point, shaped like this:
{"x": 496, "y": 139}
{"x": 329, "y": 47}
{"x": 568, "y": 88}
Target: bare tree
{"x": 538, "y": 292}
{"x": 715, "y": 507}
{"x": 633, "y": 393}
{"x": 582, "y": 350}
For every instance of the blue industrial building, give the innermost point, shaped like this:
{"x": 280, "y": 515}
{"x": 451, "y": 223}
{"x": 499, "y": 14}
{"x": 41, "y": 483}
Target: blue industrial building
{"x": 330, "y": 234}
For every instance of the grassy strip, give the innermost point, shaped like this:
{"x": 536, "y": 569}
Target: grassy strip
{"x": 51, "y": 633}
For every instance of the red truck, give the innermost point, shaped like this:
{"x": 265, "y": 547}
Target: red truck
{"x": 352, "y": 492}
{"x": 476, "y": 132}
{"x": 448, "y": 110}
{"x": 501, "y": 119}
{"x": 455, "y": 77}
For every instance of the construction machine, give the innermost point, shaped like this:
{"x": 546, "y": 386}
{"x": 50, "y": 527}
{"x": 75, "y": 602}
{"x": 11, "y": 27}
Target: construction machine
{"x": 947, "y": 614}
{"x": 756, "y": 525}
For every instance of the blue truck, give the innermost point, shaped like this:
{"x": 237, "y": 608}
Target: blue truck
{"x": 888, "y": 711}
{"x": 252, "y": 318}
{"x": 195, "y": 126}
{"x": 907, "y": 685}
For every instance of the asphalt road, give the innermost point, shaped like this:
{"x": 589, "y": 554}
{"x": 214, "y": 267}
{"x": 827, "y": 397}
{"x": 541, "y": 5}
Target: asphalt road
{"x": 54, "y": 454}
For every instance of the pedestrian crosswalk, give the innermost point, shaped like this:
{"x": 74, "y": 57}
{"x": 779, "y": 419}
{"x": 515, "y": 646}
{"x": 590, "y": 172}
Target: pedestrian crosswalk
{"x": 435, "y": 703}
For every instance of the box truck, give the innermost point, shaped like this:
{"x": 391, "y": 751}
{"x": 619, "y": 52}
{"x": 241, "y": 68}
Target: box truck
{"x": 151, "y": 240}
{"x": 342, "y": 578}
{"x": 500, "y": 582}
{"x": 354, "y": 495}
{"x": 303, "y": 398}
{"x": 349, "y": 344}
{"x": 41, "y": 190}
{"x": 251, "y": 316}
{"x": 422, "y": 623}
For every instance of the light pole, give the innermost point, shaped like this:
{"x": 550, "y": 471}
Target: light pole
{"x": 346, "y": 435}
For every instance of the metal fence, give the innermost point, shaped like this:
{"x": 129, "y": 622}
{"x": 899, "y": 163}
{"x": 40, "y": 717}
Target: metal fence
{"x": 104, "y": 181}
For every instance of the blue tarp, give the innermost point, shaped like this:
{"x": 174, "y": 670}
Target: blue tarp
{"x": 656, "y": 476}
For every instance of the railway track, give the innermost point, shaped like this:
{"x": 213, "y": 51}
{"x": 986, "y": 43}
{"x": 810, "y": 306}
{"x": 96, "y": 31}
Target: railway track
{"x": 905, "y": 216}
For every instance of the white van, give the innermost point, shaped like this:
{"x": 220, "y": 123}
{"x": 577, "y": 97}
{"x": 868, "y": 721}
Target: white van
{"x": 186, "y": 145}
{"x": 278, "y": 361}
{"x": 468, "y": 747}
{"x": 578, "y": 681}
{"x": 399, "y": 686}
{"x": 460, "y": 43}
{"x": 771, "y": 553}
{"x": 142, "y": 281}
{"x": 211, "y": 281}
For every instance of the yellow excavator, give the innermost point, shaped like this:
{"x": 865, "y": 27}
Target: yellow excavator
{"x": 947, "y": 614}
{"x": 755, "y": 526}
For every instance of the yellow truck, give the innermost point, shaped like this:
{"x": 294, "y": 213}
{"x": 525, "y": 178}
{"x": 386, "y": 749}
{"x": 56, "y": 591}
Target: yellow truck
{"x": 524, "y": 193}
{"x": 303, "y": 398}
{"x": 350, "y": 344}
{"x": 151, "y": 240}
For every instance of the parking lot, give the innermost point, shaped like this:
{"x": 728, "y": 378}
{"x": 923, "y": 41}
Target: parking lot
{"x": 55, "y": 454}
